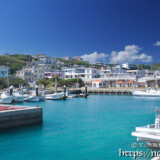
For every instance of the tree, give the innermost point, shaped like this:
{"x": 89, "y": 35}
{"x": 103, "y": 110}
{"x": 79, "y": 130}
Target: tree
{"x": 14, "y": 81}
{"x": 144, "y": 66}
{"x": 45, "y": 82}
{"x": 3, "y": 83}
{"x": 54, "y": 78}
{"x": 70, "y": 82}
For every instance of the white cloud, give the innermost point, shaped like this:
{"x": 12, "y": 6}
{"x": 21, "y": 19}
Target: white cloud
{"x": 129, "y": 55}
{"x": 94, "y": 57}
{"x": 157, "y": 43}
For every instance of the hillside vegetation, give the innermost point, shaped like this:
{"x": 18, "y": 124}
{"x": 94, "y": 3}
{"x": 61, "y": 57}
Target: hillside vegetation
{"x": 16, "y": 62}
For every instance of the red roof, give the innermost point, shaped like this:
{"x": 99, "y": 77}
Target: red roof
{"x": 131, "y": 82}
{"x": 97, "y": 81}
{"x": 120, "y": 82}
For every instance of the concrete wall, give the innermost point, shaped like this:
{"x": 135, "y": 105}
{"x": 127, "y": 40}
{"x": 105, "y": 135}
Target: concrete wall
{"x": 20, "y": 117}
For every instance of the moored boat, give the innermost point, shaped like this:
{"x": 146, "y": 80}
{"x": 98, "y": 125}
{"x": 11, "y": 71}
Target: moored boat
{"x": 34, "y": 97}
{"x": 54, "y": 96}
{"x": 7, "y": 98}
{"x": 151, "y": 132}
{"x": 19, "y": 97}
{"x": 150, "y": 92}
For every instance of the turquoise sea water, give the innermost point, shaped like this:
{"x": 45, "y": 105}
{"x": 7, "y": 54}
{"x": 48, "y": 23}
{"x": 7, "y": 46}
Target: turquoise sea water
{"x": 80, "y": 128}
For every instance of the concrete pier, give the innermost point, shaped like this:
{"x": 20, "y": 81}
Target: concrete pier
{"x": 13, "y": 116}
{"x": 108, "y": 92}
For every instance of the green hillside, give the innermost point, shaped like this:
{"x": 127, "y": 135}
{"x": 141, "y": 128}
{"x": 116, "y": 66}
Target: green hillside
{"x": 15, "y": 63}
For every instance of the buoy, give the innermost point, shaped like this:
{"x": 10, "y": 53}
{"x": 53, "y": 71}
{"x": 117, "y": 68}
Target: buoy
{"x": 36, "y": 105}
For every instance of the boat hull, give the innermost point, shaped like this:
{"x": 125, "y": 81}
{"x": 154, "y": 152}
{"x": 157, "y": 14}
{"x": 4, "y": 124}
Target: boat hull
{"x": 20, "y": 98}
{"x": 53, "y": 97}
{"x": 145, "y": 94}
{"x": 146, "y": 137}
{"x": 32, "y": 99}
{"x": 7, "y": 100}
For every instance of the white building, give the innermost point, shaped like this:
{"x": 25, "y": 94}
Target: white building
{"x": 83, "y": 73}
{"x": 128, "y": 66}
{"x": 31, "y": 74}
{"x": 39, "y": 64}
{"x": 58, "y": 73}
{"x": 138, "y": 73}
{"x": 59, "y": 63}
{"x": 110, "y": 72}
{"x": 113, "y": 66}
{"x": 99, "y": 84}
{"x": 44, "y": 58}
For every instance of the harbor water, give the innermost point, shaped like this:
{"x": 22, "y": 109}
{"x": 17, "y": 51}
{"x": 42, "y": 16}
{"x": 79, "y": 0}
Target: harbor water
{"x": 80, "y": 128}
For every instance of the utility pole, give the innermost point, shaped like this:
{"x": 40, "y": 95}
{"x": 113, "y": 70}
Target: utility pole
{"x": 7, "y": 75}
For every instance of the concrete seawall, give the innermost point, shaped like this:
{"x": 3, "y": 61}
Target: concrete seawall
{"x": 108, "y": 92}
{"x": 20, "y": 116}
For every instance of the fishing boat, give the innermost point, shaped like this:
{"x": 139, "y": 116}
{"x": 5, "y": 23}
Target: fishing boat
{"x": 34, "y": 97}
{"x": 19, "y": 96}
{"x": 54, "y": 96}
{"x": 150, "y": 92}
{"x": 150, "y": 132}
{"x": 7, "y": 97}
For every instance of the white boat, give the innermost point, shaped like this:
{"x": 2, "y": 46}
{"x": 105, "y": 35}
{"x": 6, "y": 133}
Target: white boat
{"x": 19, "y": 97}
{"x": 151, "y": 132}
{"x": 54, "y": 96}
{"x": 34, "y": 97}
{"x": 150, "y": 92}
{"x": 7, "y": 98}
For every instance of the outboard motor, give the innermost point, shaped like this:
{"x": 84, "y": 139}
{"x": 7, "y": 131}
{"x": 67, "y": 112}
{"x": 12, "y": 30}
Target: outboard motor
{"x": 36, "y": 90}
{"x": 10, "y": 90}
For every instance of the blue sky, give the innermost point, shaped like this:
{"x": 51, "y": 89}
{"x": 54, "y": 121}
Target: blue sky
{"x": 110, "y": 29}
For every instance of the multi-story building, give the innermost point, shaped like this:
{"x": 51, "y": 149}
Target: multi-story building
{"x": 44, "y": 58}
{"x": 83, "y": 73}
{"x": 59, "y": 64}
{"x": 59, "y": 73}
{"x": 44, "y": 66}
{"x": 31, "y": 74}
{"x": 129, "y": 66}
{"x": 138, "y": 73}
{"x": 3, "y": 71}
{"x": 110, "y": 72}
{"x": 113, "y": 66}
